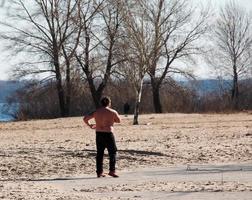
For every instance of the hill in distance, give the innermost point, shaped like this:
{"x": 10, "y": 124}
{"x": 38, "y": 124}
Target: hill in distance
{"x": 202, "y": 86}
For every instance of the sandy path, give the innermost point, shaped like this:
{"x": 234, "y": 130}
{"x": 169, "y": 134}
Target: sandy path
{"x": 180, "y": 182}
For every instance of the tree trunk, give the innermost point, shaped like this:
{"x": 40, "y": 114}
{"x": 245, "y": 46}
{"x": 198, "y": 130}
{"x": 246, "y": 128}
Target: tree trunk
{"x": 235, "y": 91}
{"x": 68, "y": 89}
{"x": 68, "y": 83}
{"x": 138, "y": 101}
{"x": 60, "y": 90}
{"x": 136, "y": 112}
{"x": 96, "y": 95}
{"x": 156, "y": 99}
{"x": 156, "y": 96}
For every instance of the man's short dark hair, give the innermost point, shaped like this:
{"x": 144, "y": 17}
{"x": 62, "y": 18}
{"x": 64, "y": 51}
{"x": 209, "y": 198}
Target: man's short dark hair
{"x": 105, "y": 101}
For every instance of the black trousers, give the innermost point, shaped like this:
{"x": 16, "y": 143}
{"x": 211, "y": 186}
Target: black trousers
{"x": 105, "y": 140}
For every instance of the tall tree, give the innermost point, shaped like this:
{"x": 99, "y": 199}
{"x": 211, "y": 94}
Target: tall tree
{"x": 232, "y": 46}
{"x": 177, "y": 28}
{"x": 135, "y": 48}
{"x": 43, "y": 29}
{"x": 98, "y": 49}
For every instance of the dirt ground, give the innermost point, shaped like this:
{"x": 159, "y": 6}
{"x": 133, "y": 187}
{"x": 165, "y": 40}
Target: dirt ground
{"x": 61, "y": 148}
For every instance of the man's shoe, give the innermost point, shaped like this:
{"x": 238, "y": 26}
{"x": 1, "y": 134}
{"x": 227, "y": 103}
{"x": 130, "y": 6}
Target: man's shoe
{"x": 113, "y": 174}
{"x": 101, "y": 175}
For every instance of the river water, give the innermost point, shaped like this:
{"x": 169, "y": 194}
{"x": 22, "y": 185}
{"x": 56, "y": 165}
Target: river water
{"x": 4, "y": 116}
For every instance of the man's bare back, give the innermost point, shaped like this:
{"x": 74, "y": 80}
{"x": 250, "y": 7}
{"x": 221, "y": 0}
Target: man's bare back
{"x": 105, "y": 118}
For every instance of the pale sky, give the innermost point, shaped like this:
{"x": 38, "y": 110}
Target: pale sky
{"x": 6, "y": 61}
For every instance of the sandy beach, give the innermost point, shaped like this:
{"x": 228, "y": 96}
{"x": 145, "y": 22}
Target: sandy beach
{"x": 34, "y": 152}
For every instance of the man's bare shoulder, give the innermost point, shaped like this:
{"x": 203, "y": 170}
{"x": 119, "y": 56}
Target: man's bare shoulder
{"x": 112, "y": 110}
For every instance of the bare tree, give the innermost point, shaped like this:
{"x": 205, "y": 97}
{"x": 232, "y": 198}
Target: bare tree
{"x": 136, "y": 77}
{"x": 232, "y": 46}
{"x": 134, "y": 70}
{"x": 44, "y": 30}
{"x": 98, "y": 49}
{"x": 69, "y": 47}
{"x": 176, "y": 28}
{"x": 135, "y": 48}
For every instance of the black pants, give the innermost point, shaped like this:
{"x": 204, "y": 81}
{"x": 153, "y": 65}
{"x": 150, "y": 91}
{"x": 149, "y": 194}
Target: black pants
{"x": 105, "y": 140}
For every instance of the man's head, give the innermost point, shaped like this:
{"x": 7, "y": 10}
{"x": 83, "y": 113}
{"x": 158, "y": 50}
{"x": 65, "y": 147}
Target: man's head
{"x": 105, "y": 101}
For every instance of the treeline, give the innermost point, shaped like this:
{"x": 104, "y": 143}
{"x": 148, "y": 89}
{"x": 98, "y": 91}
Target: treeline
{"x": 80, "y": 50}
{"x": 36, "y": 102}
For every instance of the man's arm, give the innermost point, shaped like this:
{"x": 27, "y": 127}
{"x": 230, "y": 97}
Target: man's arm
{"x": 117, "y": 118}
{"x": 87, "y": 118}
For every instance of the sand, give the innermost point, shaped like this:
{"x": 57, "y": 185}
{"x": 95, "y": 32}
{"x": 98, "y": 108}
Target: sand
{"x": 35, "y": 153}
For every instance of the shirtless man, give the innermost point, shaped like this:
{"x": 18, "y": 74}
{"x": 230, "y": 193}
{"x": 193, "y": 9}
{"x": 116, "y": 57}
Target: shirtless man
{"x": 105, "y": 117}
